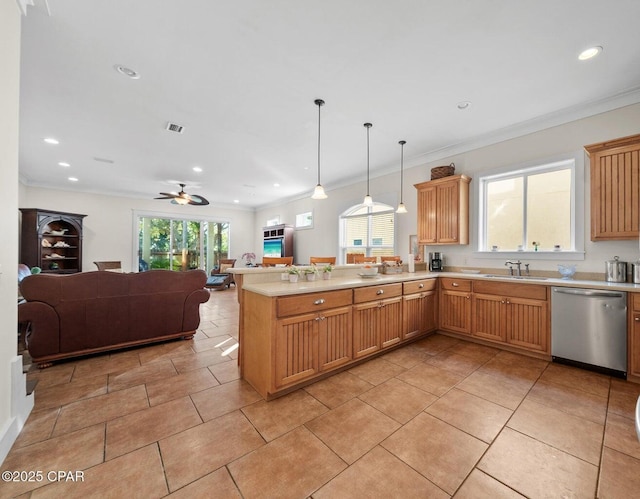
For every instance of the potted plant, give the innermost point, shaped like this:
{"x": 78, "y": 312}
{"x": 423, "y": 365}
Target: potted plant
{"x": 294, "y": 273}
{"x": 326, "y": 271}
{"x": 248, "y": 258}
{"x": 311, "y": 273}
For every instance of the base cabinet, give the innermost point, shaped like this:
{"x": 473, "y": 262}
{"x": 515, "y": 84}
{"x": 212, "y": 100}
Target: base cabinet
{"x": 419, "y": 308}
{"x": 455, "y": 305}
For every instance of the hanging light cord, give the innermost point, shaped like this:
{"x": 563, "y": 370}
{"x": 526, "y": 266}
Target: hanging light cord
{"x": 319, "y": 103}
{"x": 368, "y": 126}
{"x": 402, "y": 143}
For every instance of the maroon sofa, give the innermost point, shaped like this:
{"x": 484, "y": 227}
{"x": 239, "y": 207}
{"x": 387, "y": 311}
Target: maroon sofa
{"x": 89, "y": 312}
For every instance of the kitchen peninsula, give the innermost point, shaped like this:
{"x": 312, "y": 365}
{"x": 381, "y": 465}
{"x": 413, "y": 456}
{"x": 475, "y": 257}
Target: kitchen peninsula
{"x": 292, "y": 334}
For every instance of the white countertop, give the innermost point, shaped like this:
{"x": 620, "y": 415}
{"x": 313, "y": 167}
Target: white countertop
{"x": 284, "y": 288}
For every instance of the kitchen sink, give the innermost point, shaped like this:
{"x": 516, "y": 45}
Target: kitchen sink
{"x": 517, "y": 277}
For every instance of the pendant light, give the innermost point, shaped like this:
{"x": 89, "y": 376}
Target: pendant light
{"x": 368, "y": 200}
{"x": 401, "y": 207}
{"x": 318, "y": 192}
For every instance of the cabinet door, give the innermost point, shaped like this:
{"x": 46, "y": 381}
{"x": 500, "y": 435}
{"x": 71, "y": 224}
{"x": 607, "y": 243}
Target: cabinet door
{"x": 390, "y": 321}
{"x": 296, "y": 348}
{"x": 527, "y": 323}
{"x": 427, "y": 220}
{"x": 455, "y": 311}
{"x": 615, "y": 189}
{"x": 489, "y": 317}
{"x": 334, "y": 336}
{"x": 419, "y": 314}
{"x": 447, "y": 208}
{"x": 366, "y": 331}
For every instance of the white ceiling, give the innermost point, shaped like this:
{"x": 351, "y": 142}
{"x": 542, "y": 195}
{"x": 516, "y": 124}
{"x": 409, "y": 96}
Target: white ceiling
{"x": 241, "y": 77}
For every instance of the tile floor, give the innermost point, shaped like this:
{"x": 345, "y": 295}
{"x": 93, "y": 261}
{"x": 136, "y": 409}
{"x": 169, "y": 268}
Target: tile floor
{"x": 437, "y": 418}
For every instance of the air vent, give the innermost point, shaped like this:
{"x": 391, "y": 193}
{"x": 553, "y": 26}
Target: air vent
{"x": 173, "y": 127}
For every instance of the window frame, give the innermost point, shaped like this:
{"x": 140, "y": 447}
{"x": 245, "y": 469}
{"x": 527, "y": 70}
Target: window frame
{"x": 366, "y": 248}
{"x": 525, "y": 169}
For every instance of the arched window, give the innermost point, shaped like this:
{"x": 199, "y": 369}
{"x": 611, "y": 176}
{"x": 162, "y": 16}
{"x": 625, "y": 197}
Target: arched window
{"x": 367, "y": 229}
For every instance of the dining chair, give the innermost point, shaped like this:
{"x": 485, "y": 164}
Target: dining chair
{"x": 272, "y": 261}
{"x": 365, "y": 259}
{"x": 352, "y": 256}
{"x": 113, "y": 266}
{"x": 322, "y": 259}
{"x": 390, "y": 259}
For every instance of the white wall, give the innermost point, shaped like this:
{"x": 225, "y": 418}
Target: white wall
{"x": 558, "y": 140}
{"x": 14, "y": 404}
{"x": 108, "y": 227}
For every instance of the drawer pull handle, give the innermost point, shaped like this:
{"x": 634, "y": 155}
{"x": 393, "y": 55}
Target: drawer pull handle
{"x": 380, "y": 292}
{"x": 420, "y": 286}
{"x": 319, "y": 301}
{"x": 637, "y": 319}
{"x": 455, "y": 284}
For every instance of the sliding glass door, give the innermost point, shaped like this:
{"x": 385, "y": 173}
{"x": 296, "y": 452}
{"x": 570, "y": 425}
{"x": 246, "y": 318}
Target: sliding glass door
{"x": 181, "y": 244}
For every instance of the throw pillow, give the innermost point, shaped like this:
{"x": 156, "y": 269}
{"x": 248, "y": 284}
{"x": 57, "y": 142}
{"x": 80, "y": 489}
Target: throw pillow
{"x": 224, "y": 267}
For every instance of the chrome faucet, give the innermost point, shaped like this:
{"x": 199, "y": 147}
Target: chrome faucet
{"x": 511, "y": 264}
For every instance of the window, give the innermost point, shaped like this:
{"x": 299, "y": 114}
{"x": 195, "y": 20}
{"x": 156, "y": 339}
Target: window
{"x": 529, "y": 209}
{"x": 368, "y": 229}
{"x": 304, "y": 220}
{"x": 181, "y": 244}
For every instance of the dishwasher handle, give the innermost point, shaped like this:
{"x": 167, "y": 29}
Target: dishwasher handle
{"x": 589, "y": 292}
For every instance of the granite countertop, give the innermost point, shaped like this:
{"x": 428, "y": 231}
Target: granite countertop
{"x": 285, "y": 288}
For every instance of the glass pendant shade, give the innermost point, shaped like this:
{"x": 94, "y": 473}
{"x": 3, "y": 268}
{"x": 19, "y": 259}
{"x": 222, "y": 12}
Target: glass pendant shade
{"x": 401, "y": 207}
{"x": 368, "y": 200}
{"x": 318, "y": 192}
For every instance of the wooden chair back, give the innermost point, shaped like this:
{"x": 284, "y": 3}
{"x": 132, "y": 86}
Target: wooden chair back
{"x": 272, "y": 261}
{"x": 109, "y": 265}
{"x": 322, "y": 259}
{"x": 390, "y": 259}
{"x": 365, "y": 259}
{"x": 352, "y": 256}
{"x": 223, "y": 265}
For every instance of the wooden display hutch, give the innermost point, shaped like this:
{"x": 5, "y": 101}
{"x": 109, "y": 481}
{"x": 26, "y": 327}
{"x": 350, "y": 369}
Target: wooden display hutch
{"x": 51, "y": 240}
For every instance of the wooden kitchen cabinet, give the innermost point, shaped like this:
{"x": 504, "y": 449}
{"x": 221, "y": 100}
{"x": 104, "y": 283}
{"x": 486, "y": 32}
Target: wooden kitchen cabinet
{"x": 377, "y": 318}
{"x": 419, "y": 308}
{"x": 443, "y": 210}
{"x": 515, "y": 314}
{"x": 615, "y": 188}
{"x": 633, "y": 344}
{"x": 455, "y": 305}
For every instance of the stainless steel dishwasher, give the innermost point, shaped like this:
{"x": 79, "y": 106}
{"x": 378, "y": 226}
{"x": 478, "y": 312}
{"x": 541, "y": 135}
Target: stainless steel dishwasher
{"x": 589, "y": 329}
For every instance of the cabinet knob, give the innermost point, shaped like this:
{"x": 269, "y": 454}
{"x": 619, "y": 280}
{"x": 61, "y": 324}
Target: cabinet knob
{"x": 637, "y": 319}
{"x": 319, "y": 301}
{"x": 420, "y": 286}
{"x": 455, "y": 284}
{"x": 508, "y": 302}
{"x": 502, "y": 301}
{"x": 468, "y": 296}
{"x": 380, "y": 292}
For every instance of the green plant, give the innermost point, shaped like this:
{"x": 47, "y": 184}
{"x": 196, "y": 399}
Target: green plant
{"x": 293, "y": 270}
{"x": 311, "y": 270}
{"x": 327, "y": 268}
{"x": 35, "y": 270}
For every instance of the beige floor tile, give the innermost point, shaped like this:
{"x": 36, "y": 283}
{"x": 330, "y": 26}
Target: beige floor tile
{"x": 221, "y": 341}
{"x": 47, "y": 397}
{"x": 430, "y": 378}
{"x": 55, "y": 375}
{"x": 379, "y": 474}
{"x": 398, "y": 400}
{"x": 283, "y": 414}
{"x": 479, "y": 485}
{"x": 100, "y": 409}
{"x": 222, "y": 399}
{"x": 352, "y": 429}
{"x": 75, "y": 451}
{"x": 471, "y": 414}
{"x": 619, "y": 476}
{"x": 514, "y": 368}
{"x": 576, "y": 436}
{"x": 146, "y": 373}
{"x": 570, "y": 400}
{"x": 141, "y": 428}
{"x": 455, "y": 362}
{"x": 494, "y": 389}
{"x": 292, "y": 466}
{"x": 163, "y": 351}
{"x": 623, "y": 397}
{"x": 137, "y": 474}
{"x": 218, "y": 484}
{"x": 178, "y": 386}
{"x": 106, "y": 364}
{"x": 440, "y": 452}
{"x": 337, "y": 389}
{"x": 535, "y": 469}
{"x": 620, "y": 435}
{"x": 39, "y": 427}
{"x": 434, "y": 344}
{"x": 591, "y": 382}
{"x": 198, "y": 360}
{"x": 405, "y": 357}
{"x": 226, "y": 371}
{"x": 481, "y": 353}
{"x": 377, "y": 371}
{"x": 194, "y": 453}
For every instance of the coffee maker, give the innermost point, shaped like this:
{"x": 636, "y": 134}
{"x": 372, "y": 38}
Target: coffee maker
{"x": 436, "y": 261}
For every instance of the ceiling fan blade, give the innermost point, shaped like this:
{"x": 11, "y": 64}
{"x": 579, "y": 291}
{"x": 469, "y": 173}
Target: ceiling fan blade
{"x": 198, "y": 201}
{"x": 166, "y": 197}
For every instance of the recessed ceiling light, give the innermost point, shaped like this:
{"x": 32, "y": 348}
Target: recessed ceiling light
{"x": 465, "y": 104}
{"x": 73, "y": 179}
{"x": 127, "y": 72}
{"x": 589, "y": 53}
{"x": 103, "y": 160}
{"x": 197, "y": 169}
{"x": 50, "y": 140}
{"x": 236, "y": 201}
{"x": 276, "y": 185}
{"x": 65, "y": 164}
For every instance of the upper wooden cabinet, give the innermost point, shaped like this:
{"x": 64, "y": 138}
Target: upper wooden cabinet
{"x": 615, "y": 188}
{"x": 443, "y": 210}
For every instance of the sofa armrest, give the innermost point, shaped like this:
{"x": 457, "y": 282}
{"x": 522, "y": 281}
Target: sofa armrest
{"x": 43, "y": 337}
{"x": 191, "y": 315}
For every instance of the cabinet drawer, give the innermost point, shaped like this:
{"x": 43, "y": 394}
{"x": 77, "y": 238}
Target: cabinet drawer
{"x": 312, "y": 302}
{"x": 372, "y": 293}
{"x": 531, "y": 291}
{"x": 455, "y": 284}
{"x": 412, "y": 287}
{"x": 636, "y": 302}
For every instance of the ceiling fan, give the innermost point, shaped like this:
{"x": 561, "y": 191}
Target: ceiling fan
{"x": 183, "y": 198}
